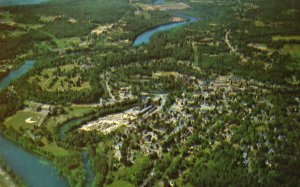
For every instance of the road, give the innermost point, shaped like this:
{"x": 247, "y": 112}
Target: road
{"x": 233, "y": 49}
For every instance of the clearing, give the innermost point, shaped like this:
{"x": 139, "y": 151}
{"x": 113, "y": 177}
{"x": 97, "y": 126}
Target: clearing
{"x": 171, "y": 6}
{"x": 20, "y": 120}
{"x": 286, "y": 38}
{"x": 293, "y": 49}
{"x": 63, "y": 78}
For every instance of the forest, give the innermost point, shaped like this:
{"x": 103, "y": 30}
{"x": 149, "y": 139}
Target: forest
{"x": 210, "y": 103}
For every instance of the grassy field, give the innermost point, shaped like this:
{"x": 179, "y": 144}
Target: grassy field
{"x": 120, "y": 183}
{"x": 286, "y": 38}
{"x": 54, "y": 148}
{"x": 65, "y": 43}
{"x": 47, "y": 19}
{"x": 70, "y": 112}
{"x": 167, "y": 6}
{"x": 17, "y": 121}
{"x": 63, "y": 83}
{"x": 293, "y": 49}
{"x": 131, "y": 174}
{"x": 259, "y": 23}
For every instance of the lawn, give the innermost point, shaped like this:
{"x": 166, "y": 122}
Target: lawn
{"x": 18, "y": 120}
{"x": 65, "y": 43}
{"x": 285, "y": 38}
{"x": 54, "y": 149}
{"x": 120, "y": 183}
{"x": 259, "y": 23}
{"x": 47, "y": 19}
{"x": 71, "y": 112}
{"x": 137, "y": 172}
{"x": 62, "y": 83}
{"x": 293, "y": 49}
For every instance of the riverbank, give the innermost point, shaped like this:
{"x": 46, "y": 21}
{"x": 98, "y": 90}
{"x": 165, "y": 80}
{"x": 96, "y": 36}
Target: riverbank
{"x": 42, "y": 173}
{"x": 8, "y": 177}
{"x": 145, "y": 37}
{"x": 5, "y": 179}
{"x": 17, "y": 73}
{"x": 4, "y": 3}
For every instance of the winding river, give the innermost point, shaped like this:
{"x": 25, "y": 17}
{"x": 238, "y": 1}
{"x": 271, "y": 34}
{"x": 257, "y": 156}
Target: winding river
{"x": 145, "y": 37}
{"x": 158, "y": 2}
{"x": 35, "y": 171}
{"x": 19, "y": 2}
{"x": 63, "y": 130}
{"x": 16, "y": 74}
{"x": 90, "y": 174}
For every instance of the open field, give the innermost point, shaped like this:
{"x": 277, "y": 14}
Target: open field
{"x": 25, "y": 120}
{"x": 171, "y": 6}
{"x": 61, "y": 79}
{"x": 293, "y": 49}
{"x": 120, "y": 183}
{"x": 48, "y": 19}
{"x": 101, "y": 29}
{"x": 175, "y": 6}
{"x": 54, "y": 149}
{"x": 262, "y": 47}
{"x": 259, "y": 23}
{"x": 286, "y": 38}
{"x": 65, "y": 43}
{"x": 70, "y": 112}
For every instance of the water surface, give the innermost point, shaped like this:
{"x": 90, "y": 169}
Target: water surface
{"x": 158, "y": 2}
{"x": 90, "y": 174}
{"x": 67, "y": 127}
{"x": 145, "y": 37}
{"x": 35, "y": 171}
{"x": 16, "y": 74}
{"x": 19, "y": 2}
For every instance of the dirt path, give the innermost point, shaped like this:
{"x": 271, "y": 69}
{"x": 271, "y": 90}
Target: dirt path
{"x": 149, "y": 178}
{"x": 108, "y": 88}
{"x": 195, "y": 49}
{"x": 233, "y": 49}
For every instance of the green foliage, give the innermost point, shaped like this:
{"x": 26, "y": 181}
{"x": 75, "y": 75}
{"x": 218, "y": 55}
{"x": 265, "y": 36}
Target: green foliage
{"x": 222, "y": 167}
{"x": 137, "y": 172}
{"x": 63, "y": 28}
{"x": 229, "y": 146}
{"x": 16, "y": 179}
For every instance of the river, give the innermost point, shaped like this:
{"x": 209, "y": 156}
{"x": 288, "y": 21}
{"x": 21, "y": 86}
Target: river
{"x": 158, "y": 2}
{"x": 35, "y": 171}
{"x": 13, "y": 75}
{"x": 19, "y": 2}
{"x": 145, "y": 37}
{"x": 62, "y": 132}
{"x": 68, "y": 126}
{"x": 90, "y": 174}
